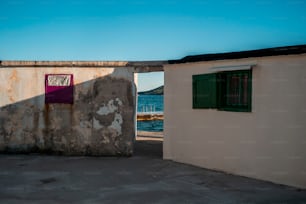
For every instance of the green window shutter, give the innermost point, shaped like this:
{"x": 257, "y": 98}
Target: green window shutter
{"x": 204, "y": 88}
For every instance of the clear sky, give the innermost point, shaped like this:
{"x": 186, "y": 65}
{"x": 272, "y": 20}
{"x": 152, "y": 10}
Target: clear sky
{"x": 145, "y": 30}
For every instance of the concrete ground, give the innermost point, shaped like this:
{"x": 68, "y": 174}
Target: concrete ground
{"x": 143, "y": 178}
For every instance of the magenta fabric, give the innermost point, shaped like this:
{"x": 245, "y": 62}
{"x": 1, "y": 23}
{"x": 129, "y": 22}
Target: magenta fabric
{"x": 59, "y": 94}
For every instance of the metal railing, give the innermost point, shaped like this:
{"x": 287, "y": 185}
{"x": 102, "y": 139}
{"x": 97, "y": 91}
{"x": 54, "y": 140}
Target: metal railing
{"x": 149, "y": 108}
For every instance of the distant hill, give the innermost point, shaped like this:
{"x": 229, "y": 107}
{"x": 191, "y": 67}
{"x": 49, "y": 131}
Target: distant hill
{"x": 156, "y": 91}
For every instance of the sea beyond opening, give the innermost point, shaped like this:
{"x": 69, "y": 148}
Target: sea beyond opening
{"x": 150, "y": 105}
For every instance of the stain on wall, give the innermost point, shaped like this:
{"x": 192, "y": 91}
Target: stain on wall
{"x": 101, "y": 121}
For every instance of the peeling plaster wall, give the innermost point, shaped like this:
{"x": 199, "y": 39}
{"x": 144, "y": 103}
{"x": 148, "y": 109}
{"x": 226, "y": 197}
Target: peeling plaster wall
{"x": 101, "y": 121}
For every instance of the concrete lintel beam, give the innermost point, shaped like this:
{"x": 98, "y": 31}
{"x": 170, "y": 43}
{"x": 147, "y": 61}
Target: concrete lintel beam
{"x": 147, "y": 66}
{"x": 144, "y": 69}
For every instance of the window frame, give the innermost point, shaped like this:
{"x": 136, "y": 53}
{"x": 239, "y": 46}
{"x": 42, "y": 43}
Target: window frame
{"x": 220, "y": 89}
{"x": 222, "y": 104}
{"x": 57, "y": 93}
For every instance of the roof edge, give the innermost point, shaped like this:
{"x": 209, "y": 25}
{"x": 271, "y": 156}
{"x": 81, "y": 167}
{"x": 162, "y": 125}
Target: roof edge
{"x": 21, "y": 63}
{"x": 275, "y": 51}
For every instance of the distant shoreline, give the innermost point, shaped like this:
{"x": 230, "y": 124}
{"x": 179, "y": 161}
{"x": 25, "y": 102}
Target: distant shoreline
{"x": 156, "y": 91}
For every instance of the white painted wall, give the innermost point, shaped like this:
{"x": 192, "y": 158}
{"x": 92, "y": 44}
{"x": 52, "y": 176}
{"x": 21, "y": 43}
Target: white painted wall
{"x": 269, "y": 143}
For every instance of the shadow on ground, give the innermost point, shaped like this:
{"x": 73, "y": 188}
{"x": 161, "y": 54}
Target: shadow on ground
{"x": 148, "y": 148}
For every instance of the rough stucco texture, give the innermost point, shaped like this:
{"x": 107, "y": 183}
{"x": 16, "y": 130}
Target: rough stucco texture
{"x": 101, "y": 120}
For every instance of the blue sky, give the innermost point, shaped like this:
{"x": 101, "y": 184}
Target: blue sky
{"x": 145, "y": 30}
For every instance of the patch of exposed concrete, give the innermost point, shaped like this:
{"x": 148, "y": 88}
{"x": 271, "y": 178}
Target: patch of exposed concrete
{"x": 114, "y": 116}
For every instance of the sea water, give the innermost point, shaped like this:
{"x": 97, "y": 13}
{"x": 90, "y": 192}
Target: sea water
{"x": 150, "y": 104}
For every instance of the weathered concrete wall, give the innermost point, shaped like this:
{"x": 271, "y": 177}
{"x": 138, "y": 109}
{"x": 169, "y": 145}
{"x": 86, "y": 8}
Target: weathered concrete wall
{"x": 267, "y": 143}
{"x": 101, "y": 121}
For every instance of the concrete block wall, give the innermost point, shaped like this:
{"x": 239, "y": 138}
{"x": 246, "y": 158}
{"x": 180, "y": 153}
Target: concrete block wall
{"x": 101, "y": 120}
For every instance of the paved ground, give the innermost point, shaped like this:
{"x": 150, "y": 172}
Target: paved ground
{"x": 144, "y": 134}
{"x": 143, "y": 178}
